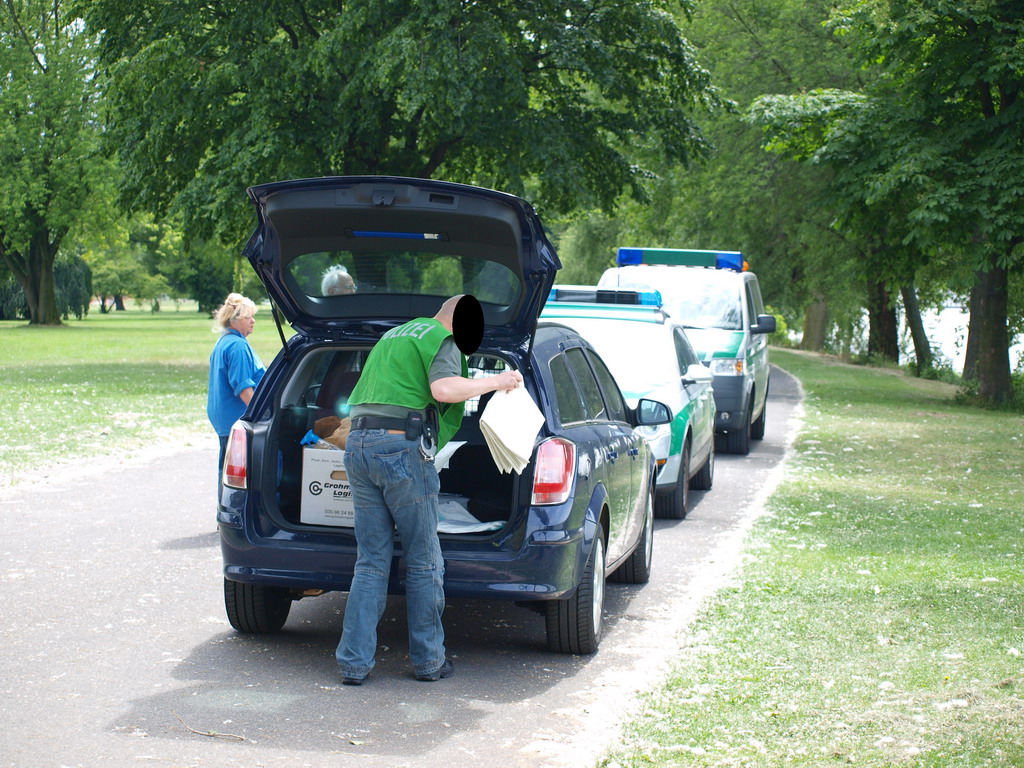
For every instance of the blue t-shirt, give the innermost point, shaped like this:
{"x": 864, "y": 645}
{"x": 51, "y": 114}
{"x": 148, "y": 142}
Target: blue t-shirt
{"x": 234, "y": 366}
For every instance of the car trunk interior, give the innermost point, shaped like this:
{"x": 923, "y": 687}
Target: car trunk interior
{"x": 319, "y": 386}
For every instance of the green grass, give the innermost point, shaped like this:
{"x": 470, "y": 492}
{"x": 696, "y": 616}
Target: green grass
{"x": 878, "y": 619}
{"x": 107, "y": 385}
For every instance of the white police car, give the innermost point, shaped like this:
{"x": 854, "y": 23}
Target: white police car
{"x": 650, "y": 356}
{"x": 718, "y": 301}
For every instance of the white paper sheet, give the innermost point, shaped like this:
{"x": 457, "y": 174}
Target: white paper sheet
{"x": 510, "y": 424}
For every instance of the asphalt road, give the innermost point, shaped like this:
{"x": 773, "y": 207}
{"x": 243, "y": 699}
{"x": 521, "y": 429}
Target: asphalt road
{"x": 116, "y": 652}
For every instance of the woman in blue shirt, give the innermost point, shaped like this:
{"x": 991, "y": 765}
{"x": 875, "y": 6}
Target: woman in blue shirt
{"x": 235, "y": 368}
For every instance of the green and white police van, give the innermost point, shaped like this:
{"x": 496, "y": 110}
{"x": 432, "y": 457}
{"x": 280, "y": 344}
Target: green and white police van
{"x": 718, "y": 301}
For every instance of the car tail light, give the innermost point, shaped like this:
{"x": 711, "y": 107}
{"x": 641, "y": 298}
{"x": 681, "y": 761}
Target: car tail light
{"x": 554, "y": 471}
{"x": 235, "y": 474}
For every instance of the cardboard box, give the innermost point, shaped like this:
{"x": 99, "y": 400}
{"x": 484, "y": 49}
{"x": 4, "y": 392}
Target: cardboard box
{"x": 326, "y": 495}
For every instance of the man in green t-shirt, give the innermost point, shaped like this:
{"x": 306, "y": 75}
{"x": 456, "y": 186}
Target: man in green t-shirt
{"x": 415, "y": 371}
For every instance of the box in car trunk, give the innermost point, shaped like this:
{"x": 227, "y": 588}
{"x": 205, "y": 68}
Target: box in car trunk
{"x": 326, "y": 494}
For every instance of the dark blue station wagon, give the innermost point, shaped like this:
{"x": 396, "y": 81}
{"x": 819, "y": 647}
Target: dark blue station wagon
{"x": 580, "y": 511}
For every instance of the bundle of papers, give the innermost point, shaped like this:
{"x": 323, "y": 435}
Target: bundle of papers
{"x": 510, "y": 424}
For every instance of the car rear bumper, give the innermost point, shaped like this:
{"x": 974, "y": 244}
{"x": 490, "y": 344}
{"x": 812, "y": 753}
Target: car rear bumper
{"x": 545, "y": 567}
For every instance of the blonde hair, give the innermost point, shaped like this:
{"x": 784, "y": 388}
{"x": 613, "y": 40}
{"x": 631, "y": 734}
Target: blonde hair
{"x": 235, "y": 307}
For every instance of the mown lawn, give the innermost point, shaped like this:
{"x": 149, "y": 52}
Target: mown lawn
{"x": 878, "y": 618}
{"x": 108, "y": 384}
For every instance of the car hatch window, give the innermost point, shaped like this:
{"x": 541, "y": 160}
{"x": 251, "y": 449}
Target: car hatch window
{"x": 593, "y": 403}
{"x": 567, "y": 398}
{"x": 612, "y": 394}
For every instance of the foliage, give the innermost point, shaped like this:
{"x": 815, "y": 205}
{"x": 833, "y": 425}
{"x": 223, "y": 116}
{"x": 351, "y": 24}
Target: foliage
{"x": 741, "y": 198}
{"x": 587, "y": 248}
{"x": 208, "y": 99}
{"x": 929, "y": 152}
{"x": 48, "y": 141}
{"x": 780, "y": 338}
{"x": 72, "y": 280}
{"x": 73, "y": 286}
{"x": 12, "y": 300}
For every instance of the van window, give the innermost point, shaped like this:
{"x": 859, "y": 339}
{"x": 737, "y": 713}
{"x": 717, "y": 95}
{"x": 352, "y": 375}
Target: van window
{"x": 754, "y": 303}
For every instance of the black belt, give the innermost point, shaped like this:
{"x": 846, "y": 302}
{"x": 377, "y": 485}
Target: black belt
{"x": 381, "y": 422}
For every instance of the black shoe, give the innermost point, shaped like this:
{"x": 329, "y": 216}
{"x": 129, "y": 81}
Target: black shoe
{"x": 352, "y": 680}
{"x": 445, "y": 670}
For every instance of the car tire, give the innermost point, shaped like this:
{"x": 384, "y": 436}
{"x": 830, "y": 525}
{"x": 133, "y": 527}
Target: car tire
{"x": 574, "y": 625}
{"x": 255, "y": 608}
{"x": 704, "y": 478}
{"x": 738, "y": 440}
{"x": 675, "y": 505}
{"x": 637, "y": 569}
{"x": 757, "y": 428}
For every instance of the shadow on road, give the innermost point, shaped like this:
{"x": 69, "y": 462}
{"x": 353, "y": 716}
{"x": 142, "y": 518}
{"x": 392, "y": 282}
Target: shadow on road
{"x": 283, "y": 690}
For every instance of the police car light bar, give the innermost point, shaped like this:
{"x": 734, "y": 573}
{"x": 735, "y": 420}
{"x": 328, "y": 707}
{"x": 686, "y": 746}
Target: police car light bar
{"x": 588, "y": 294}
{"x": 681, "y": 257}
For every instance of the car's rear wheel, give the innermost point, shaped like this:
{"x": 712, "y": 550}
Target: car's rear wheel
{"x": 675, "y": 505}
{"x": 256, "y": 609}
{"x": 705, "y": 476}
{"x": 574, "y": 625}
{"x": 738, "y": 440}
{"x": 637, "y": 569}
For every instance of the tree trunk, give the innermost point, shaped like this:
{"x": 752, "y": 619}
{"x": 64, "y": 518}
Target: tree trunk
{"x": 988, "y": 334}
{"x": 118, "y": 302}
{"x": 971, "y": 353}
{"x": 39, "y": 287}
{"x": 815, "y": 326}
{"x": 922, "y": 347}
{"x": 883, "y": 328}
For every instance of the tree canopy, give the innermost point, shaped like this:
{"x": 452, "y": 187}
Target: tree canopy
{"x": 931, "y": 150}
{"x": 207, "y": 99}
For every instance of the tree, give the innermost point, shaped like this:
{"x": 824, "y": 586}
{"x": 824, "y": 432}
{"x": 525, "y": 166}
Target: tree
{"x": 48, "y": 142}
{"x": 935, "y": 141}
{"x": 741, "y": 198}
{"x": 207, "y": 99}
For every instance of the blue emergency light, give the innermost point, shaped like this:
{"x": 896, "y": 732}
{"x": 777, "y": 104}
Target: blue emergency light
{"x": 588, "y": 294}
{"x": 681, "y": 257}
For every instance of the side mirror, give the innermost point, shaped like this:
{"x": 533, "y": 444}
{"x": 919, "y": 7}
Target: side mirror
{"x": 764, "y": 324}
{"x": 698, "y": 373}
{"x": 652, "y": 412}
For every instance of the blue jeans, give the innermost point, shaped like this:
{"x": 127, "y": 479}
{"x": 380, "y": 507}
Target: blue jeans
{"x": 393, "y": 487}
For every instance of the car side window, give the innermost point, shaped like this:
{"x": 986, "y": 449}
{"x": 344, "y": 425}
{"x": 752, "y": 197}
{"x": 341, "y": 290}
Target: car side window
{"x": 567, "y": 398}
{"x": 684, "y": 351}
{"x": 593, "y": 403}
{"x": 612, "y": 393}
